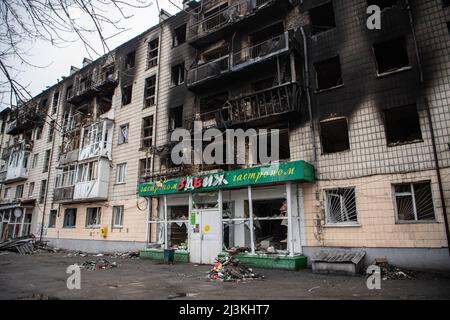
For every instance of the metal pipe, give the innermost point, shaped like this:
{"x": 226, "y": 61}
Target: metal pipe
{"x": 416, "y": 47}
{"x": 308, "y": 95}
{"x": 250, "y": 212}
{"x": 438, "y": 173}
{"x": 290, "y": 224}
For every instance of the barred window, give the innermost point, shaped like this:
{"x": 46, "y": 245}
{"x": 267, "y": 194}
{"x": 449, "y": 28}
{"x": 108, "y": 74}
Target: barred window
{"x": 341, "y": 206}
{"x": 414, "y": 201}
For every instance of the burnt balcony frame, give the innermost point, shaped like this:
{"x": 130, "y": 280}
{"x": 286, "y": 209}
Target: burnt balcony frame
{"x": 63, "y": 194}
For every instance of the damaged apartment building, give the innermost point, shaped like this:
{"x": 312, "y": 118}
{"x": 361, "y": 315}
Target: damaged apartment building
{"x": 363, "y": 117}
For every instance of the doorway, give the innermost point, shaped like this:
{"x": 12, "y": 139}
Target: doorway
{"x": 205, "y": 236}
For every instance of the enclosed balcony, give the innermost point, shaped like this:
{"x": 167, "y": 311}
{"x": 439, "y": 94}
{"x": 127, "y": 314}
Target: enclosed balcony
{"x": 18, "y": 166}
{"x": 65, "y": 184}
{"x": 216, "y": 22}
{"x": 92, "y": 181}
{"x": 96, "y": 140}
{"x": 233, "y": 63}
{"x": 255, "y": 108}
{"x": 63, "y": 194}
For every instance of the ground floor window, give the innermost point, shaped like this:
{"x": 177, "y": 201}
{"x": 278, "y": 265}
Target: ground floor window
{"x": 414, "y": 202}
{"x": 93, "y": 217}
{"x": 70, "y": 218}
{"x": 117, "y": 216}
{"x": 340, "y": 206}
{"x": 52, "y": 219}
{"x": 13, "y": 225}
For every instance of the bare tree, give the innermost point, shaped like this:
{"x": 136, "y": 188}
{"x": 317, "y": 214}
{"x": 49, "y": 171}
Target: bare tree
{"x": 58, "y": 22}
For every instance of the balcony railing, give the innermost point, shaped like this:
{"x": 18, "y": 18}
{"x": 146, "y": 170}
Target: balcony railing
{"x": 2, "y": 176}
{"x": 224, "y": 17}
{"x": 255, "y": 106}
{"x": 239, "y": 60}
{"x": 63, "y": 194}
{"x": 92, "y": 85}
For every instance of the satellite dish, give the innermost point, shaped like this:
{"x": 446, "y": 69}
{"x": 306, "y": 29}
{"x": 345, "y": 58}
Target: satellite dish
{"x": 17, "y": 212}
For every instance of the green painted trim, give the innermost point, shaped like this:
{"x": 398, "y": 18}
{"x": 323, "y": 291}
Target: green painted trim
{"x": 156, "y": 254}
{"x": 272, "y": 261}
{"x": 276, "y": 173}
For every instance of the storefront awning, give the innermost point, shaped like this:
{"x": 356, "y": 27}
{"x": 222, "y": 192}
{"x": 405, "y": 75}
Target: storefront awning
{"x": 276, "y": 173}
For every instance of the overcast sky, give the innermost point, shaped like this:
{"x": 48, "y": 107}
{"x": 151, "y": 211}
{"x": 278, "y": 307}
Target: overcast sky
{"x": 57, "y": 61}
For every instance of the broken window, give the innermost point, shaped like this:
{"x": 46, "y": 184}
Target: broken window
{"x": 383, "y": 4}
{"x": 123, "y": 133}
{"x": 179, "y": 36}
{"x": 130, "y": 60}
{"x": 117, "y": 221}
{"x": 263, "y": 84}
{"x": 147, "y": 132}
{"x": 127, "y": 93}
{"x": 144, "y": 168}
{"x": 177, "y": 226}
{"x": 69, "y": 92}
{"x": 42, "y": 191}
{"x": 322, "y": 18}
{"x": 414, "y": 201}
{"x": 52, "y": 218}
{"x": 70, "y": 218}
{"x": 178, "y": 74}
{"x": 19, "y": 191}
{"x": 216, "y": 16}
{"x": 51, "y": 131}
{"x": 402, "y": 124}
{"x": 267, "y": 33}
{"x": 152, "y": 59}
{"x": 93, "y": 217}
{"x": 391, "y": 55}
{"x": 175, "y": 118}
{"x": 340, "y": 206}
{"x": 334, "y": 135}
{"x": 87, "y": 171}
{"x": 46, "y": 161}
{"x": 209, "y": 107}
{"x": 55, "y": 102}
{"x": 121, "y": 172}
{"x": 150, "y": 91}
{"x": 328, "y": 74}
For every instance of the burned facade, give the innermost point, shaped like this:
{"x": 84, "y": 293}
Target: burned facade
{"x": 362, "y": 116}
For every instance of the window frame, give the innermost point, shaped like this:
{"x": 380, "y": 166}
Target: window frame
{"x": 175, "y": 40}
{"x": 114, "y": 212}
{"x": 150, "y": 97}
{"x": 327, "y": 121}
{"x": 412, "y": 194}
{"x": 349, "y": 223}
{"x": 98, "y": 213}
{"x": 130, "y": 97}
{"x": 320, "y": 90}
{"x": 152, "y": 61}
{"x": 121, "y": 136}
{"x": 146, "y": 138}
{"x": 52, "y": 213}
{"x": 66, "y": 211}
{"x": 181, "y": 74}
{"x": 121, "y": 172}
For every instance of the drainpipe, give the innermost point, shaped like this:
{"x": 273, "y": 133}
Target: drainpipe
{"x": 308, "y": 95}
{"x": 438, "y": 173}
{"x": 416, "y": 47}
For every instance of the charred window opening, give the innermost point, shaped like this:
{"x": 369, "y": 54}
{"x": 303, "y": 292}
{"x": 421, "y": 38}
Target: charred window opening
{"x": 127, "y": 93}
{"x": 334, "y": 135}
{"x": 214, "y": 17}
{"x": 51, "y": 130}
{"x": 383, "y": 4}
{"x": 55, "y": 102}
{"x": 446, "y": 3}
{"x": 263, "y": 84}
{"x": 402, "y": 124}
{"x": 214, "y": 54}
{"x": 267, "y": 33}
{"x": 178, "y": 74}
{"x": 153, "y": 53}
{"x": 322, "y": 18}
{"x": 175, "y": 118}
{"x": 328, "y": 74}
{"x": 130, "y": 60}
{"x": 179, "y": 35}
{"x": 150, "y": 92}
{"x": 147, "y": 132}
{"x": 69, "y": 92}
{"x": 105, "y": 104}
{"x": 391, "y": 55}
{"x": 210, "y": 105}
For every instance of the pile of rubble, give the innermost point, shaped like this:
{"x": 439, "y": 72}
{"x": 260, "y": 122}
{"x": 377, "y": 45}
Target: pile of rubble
{"x": 25, "y": 245}
{"x": 391, "y": 272}
{"x": 98, "y": 264}
{"x": 229, "y": 268}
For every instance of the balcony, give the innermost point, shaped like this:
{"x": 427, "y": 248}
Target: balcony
{"x": 15, "y": 174}
{"x": 3, "y": 176}
{"x": 218, "y": 23}
{"x": 97, "y": 140}
{"x": 25, "y": 117}
{"x": 93, "y": 181}
{"x": 235, "y": 62}
{"x": 256, "y": 107}
{"x": 63, "y": 194}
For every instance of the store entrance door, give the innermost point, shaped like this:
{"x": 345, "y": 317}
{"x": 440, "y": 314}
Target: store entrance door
{"x": 205, "y": 236}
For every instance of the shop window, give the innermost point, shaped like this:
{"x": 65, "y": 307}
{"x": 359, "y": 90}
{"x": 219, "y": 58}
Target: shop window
{"x": 31, "y": 190}
{"x": 271, "y": 225}
{"x": 328, "y": 74}
{"x": 70, "y": 218}
{"x": 178, "y": 74}
{"x": 153, "y": 47}
{"x": 150, "y": 91}
{"x": 117, "y": 216}
{"x": 179, "y": 35}
{"x": 383, "y": 4}
{"x": 236, "y": 230}
{"x": 177, "y": 226}
{"x": 19, "y": 191}
{"x": 340, "y": 206}
{"x": 334, "y": 135}
{"x": 121, "y": 173}
{"x": 130, "y": 60}
{"x": 402, "y": 125}
{"x": 391, "y": 55}
{"x": 42, "y": 191}
{"x": 147, "y": 132}
{"x": 123, "y": 133}
{"x": 175, "y": 118}
{"x": 93, "y": 217}
{"x": 52, "y": 219}
{"x": 322, "y": 18}
{"x": 414, "y": 202}
{"x": 127, "y": 94}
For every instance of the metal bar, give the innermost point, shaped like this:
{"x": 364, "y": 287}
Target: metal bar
{"x": 290, "y": 224}
{"x": 250, "y": 211}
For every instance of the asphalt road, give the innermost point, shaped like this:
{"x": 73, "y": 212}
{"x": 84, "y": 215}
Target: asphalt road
{"x": 43, "y": 276}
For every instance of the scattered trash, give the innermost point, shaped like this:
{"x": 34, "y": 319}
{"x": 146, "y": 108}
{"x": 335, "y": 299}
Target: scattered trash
{"x": 230, "y": 269}
{"x": 391, "y": 272}
{"x": 313, "y": 288}
{"x": 98, "y": 264}
{"x": 237, "y": 250}
{"x": 126, "y": 255}
{"x": 25, "y": 245}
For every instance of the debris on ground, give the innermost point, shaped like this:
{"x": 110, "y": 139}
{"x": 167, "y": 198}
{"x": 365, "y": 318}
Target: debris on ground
{"x": 237, "y": 250}
{"x": 98, "y": 264}
{"x": 391, "y": 272}
{"x": 229, "y": 268}
{"x": 126, "y": 255}
{"x": 25, "y": 245}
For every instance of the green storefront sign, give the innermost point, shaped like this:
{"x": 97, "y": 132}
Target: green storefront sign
{"x": 282, "y": 172}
